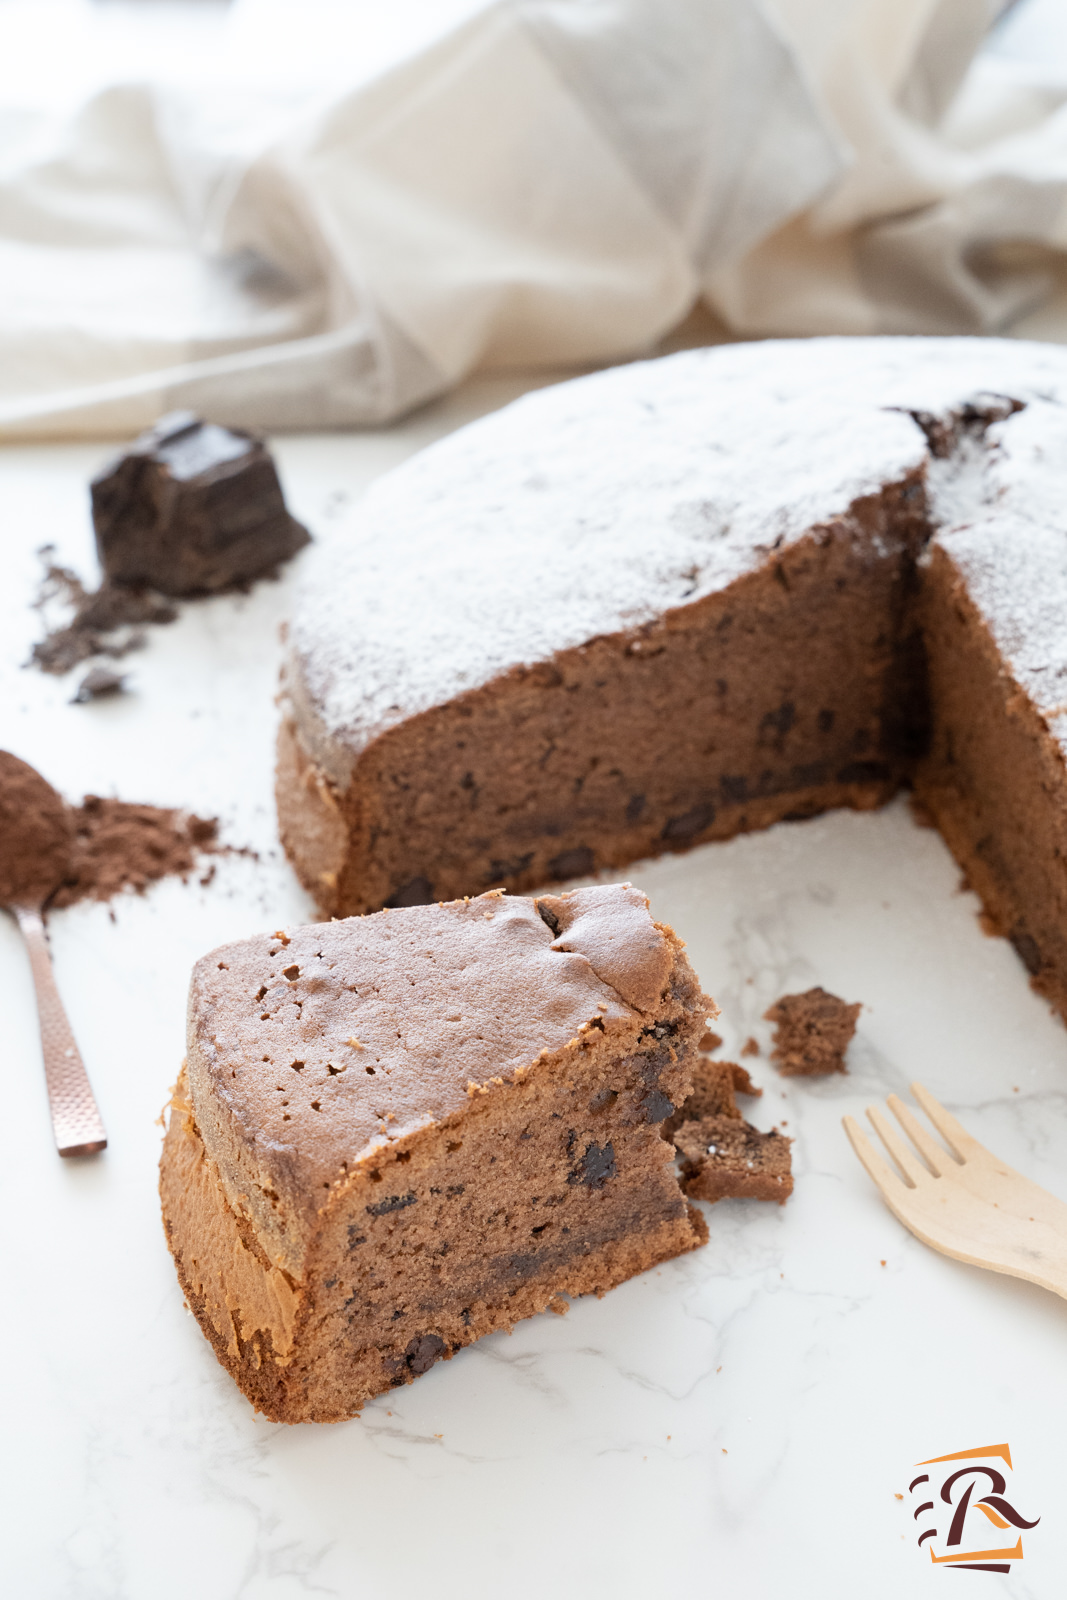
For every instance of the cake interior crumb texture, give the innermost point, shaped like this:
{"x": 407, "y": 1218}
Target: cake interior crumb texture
{"x": 665, "y": 604}
{"x": 397, "y": 1133}
{"x": 724, "y": 1157}
{"x": 812, "y": 1032}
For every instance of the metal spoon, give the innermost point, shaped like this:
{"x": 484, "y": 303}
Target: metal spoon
{"x": 36, "y": 839}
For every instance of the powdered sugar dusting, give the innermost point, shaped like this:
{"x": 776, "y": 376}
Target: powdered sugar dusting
{"x": 595, "y": 507}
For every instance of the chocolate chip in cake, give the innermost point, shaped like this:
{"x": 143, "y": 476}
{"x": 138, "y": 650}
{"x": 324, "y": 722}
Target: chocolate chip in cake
{"x": 421, "y": 1354}
{"x": 595, "y": 1167}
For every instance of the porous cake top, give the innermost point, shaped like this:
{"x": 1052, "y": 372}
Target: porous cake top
{"x": 596, "y": 506}
{"x": 317, "y": 1047}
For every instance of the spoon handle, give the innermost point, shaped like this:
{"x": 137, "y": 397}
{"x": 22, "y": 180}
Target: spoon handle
{"x": 76, "y": 1121}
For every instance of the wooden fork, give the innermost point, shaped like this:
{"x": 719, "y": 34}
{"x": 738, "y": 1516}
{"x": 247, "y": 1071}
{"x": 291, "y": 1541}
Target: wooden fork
{"x": 966, "y": 1203}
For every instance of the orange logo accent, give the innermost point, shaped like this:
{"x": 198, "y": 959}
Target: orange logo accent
{"x": 949, "y": 1496}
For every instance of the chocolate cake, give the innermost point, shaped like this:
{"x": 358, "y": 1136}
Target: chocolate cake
{"x": 667, "y": 603}
{"x": 192, "y": 508}
{"x": 397, "y": 1133}
{"x": 812, "y": 1032}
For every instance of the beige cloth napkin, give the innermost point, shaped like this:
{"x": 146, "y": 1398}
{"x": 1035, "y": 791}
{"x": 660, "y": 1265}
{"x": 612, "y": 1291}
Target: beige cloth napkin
{"x": 551, "y": 183}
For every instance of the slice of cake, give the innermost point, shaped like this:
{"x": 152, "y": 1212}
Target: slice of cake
{"x": 399, "y": 1132}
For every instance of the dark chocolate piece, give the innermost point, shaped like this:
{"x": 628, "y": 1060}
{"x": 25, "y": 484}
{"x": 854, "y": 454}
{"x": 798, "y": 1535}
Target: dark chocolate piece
{"x": 192, "y": 508}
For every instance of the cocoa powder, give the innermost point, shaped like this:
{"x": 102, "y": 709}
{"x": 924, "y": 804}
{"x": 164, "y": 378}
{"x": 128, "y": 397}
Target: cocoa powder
{"x": 121, "y": 845}
{"x": 60, "y": 853}
{"x": 36, "y": 835}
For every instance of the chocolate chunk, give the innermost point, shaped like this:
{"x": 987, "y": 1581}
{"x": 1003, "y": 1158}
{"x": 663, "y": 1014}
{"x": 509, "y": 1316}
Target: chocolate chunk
{"x": 421, "y": 1354}
{"x": 577, "y": 863}
{"x": 419, "y": 892}
{"x": 656, "y": 1106}
{"x": 395, "y": 1202}
{"x": 1026, "y": 948}
{"x": 684, "y": 828}
{"x": 596, "y": 1166}
{"x": 192, "y": 508}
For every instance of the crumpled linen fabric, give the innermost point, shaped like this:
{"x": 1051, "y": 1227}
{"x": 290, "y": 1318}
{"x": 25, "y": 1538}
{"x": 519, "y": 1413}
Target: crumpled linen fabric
{"x": 552, "y": 183}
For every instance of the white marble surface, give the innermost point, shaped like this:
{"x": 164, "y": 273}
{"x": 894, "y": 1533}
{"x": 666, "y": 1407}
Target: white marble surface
{"x": 734, "y": 1423}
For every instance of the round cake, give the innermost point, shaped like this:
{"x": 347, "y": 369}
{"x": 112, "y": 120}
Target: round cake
{"x": 684, "y": 598}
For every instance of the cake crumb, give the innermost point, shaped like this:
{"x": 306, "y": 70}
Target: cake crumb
{"x": 750, "y": 1047}
{"x": 710, "y": 1042}
{"x": 725, "y": 1158}
{"x": 98, "y": 683}
{"x": 812, "y": 1032}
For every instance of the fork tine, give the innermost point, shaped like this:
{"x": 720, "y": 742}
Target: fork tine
{"x": 934, "y": 1154}
{"x": 913, "y": 1169}
{"x": 883, "y": 1177}
{"x": 957, "y": 1138}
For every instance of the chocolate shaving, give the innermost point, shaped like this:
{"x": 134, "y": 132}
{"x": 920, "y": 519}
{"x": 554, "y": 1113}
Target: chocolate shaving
{"x": 108, "y": 621}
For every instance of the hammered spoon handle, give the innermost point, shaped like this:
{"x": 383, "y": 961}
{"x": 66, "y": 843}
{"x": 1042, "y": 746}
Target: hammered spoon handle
{"x": 76, "y": 1120}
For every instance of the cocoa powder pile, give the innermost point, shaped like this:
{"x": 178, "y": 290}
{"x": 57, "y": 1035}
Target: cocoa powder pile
{"x": 49, "y": 850}
{"x": 121, "y": 845}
